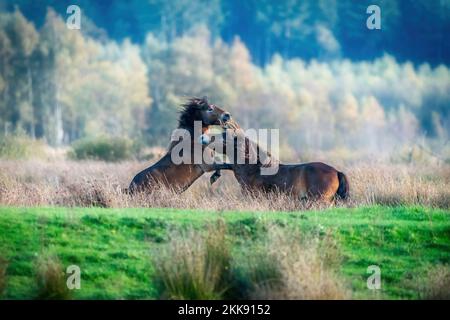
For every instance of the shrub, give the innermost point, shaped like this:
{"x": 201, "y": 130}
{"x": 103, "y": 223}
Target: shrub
{"x": 51, "y": 280}
{"x": 21, "y": 147}
{"x": 103, "y": 148}
{"x": 194, "y": 265}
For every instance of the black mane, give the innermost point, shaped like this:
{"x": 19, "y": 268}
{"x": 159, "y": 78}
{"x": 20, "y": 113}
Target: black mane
{"x": 190, "y": 112}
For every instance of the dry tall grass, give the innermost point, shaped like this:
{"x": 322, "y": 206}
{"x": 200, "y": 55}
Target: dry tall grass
{"x": 200, "y": 265}
{"x": 90, "y": 183}
{"x": 50, "y": 279}
{"x": 301, "y": 269}
{"x": 193, "y": 265}
{"x": 436, "y": 284}
{"x": 3, "y": 267}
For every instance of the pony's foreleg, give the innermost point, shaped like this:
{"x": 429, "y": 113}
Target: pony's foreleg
{"x": 216, "y": 175}
{"x": 216, "y": 167}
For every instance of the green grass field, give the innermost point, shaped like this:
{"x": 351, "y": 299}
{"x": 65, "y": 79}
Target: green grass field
{"x": 113, "y": 246}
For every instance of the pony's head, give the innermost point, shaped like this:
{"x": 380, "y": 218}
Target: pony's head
{"x": 238, "y": 147}
{"x": 230, "y": 142}
{"x": 199, "y": 109}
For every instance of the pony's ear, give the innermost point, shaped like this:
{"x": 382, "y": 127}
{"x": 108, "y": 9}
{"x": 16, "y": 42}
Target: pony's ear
{"x": 201, "y": 102}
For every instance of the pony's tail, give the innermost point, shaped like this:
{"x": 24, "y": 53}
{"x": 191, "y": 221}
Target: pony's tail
{"x": 344, "y": 188}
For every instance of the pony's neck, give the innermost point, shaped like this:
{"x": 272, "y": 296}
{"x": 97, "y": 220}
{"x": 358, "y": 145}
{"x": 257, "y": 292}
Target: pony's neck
{"x": 267, "y": 158}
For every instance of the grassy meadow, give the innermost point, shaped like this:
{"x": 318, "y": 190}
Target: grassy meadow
{"x": 114, "y": 247}
{"x": 56, "y": 212}
{"x": 90, "y": 95}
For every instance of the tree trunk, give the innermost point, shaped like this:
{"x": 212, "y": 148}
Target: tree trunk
{"x": 30, "y": 101}
{"x": 59, "y": 131}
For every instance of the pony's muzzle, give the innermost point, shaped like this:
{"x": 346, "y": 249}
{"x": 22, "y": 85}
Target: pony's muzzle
{"x": 204, "y": 139}
{"x": 226, "y": 116}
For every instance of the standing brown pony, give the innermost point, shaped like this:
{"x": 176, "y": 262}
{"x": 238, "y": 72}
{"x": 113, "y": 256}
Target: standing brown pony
{"x": 179, "y": 177}
{"x": 308, "y": 181}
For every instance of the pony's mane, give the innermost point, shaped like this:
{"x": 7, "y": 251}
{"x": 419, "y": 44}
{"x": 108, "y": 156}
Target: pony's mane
{"x": 189, "y": 110}
{"x": 255, "y": 149}
{"x": 188, "y": 114}
{"x": 269, "y": 160}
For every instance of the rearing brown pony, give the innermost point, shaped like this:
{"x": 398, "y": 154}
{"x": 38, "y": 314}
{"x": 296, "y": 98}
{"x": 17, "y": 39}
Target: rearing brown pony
{"x": 308, "y": 181}
{"x": 179, "y": 177}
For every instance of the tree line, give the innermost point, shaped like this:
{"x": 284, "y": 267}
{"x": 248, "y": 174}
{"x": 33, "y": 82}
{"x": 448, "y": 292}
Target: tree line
{"x": 411, "y": 29}
{"x": 61, "y": 85}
